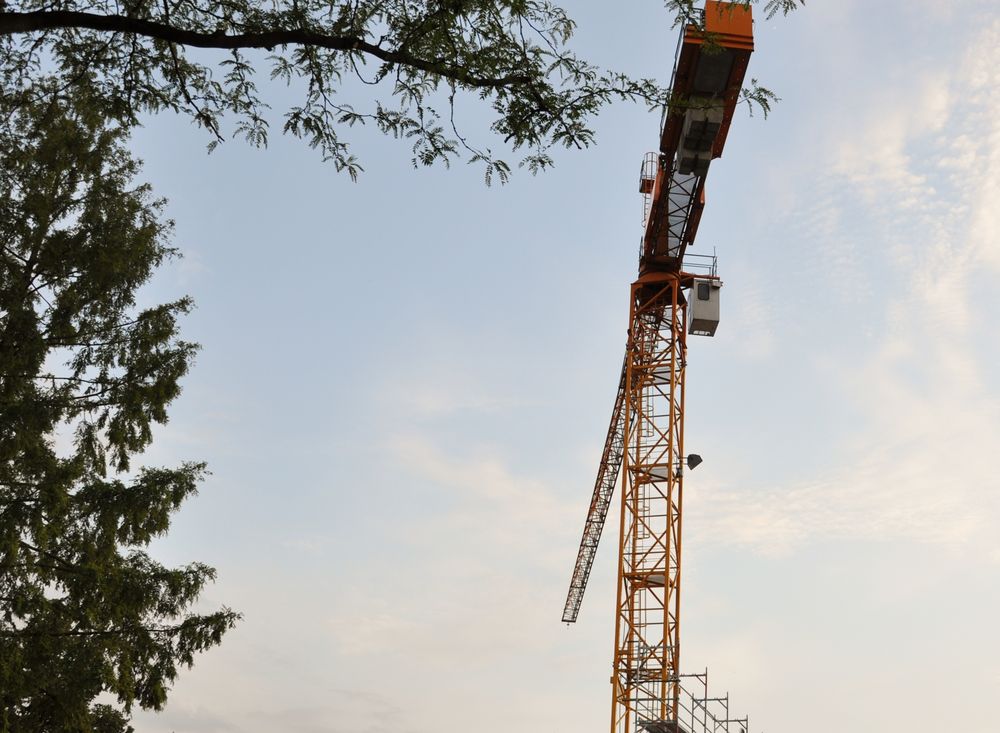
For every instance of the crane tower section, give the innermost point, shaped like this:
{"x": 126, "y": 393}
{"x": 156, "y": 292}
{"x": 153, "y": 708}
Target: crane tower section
{"x": 647, "y": 624}
{"x": 645, "y": 443}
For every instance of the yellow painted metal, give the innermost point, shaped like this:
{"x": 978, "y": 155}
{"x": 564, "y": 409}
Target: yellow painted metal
{"x": 645, "y": 681}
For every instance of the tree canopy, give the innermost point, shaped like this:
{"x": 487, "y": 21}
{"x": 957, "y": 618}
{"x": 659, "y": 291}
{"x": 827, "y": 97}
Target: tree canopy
{"x": 416, "y": 55}
{"x": 84, "y": 376}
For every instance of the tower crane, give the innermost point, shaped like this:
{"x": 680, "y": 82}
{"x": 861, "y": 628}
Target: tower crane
{"x": 645, "y": 440}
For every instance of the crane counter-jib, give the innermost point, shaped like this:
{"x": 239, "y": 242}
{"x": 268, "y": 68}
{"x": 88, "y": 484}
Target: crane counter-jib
{"x": 707, "y": 79}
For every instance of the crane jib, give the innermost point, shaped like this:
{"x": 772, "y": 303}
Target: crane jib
{"x": 604, "y": 489}
{"x": 707, "y": 79}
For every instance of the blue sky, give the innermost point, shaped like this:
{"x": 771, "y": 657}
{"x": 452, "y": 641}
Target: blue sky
{"x": 405, "y": 383}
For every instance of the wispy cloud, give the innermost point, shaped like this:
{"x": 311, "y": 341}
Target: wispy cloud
{"x": 753, "y": 323}
{"x": 918, "y": 465}
{"x": 495, "y": 549}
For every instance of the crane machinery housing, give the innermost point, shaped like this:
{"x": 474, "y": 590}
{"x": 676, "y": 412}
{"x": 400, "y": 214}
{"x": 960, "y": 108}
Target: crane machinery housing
{"x": 674, "y": 295}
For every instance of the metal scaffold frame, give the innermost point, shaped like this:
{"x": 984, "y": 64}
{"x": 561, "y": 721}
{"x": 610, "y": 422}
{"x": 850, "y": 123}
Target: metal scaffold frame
{"x": 646, "y": 683}
{"x": 701, "y": 713}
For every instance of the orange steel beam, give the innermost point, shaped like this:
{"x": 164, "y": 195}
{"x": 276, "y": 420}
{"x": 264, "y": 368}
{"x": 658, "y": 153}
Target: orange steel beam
{"x": 711, "y": 64}
{"x": 708, "y": 77}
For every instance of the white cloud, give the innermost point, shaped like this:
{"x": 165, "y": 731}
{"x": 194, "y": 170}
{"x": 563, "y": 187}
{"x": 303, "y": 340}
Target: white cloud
{"x": 429, "y": 398}
{"x": 919, "y": 466}
{"x": 376, "y": 627}
{"x": 490, "y": 505}
{"x": 752, "y": 323}
{"x": 498, "y": 548}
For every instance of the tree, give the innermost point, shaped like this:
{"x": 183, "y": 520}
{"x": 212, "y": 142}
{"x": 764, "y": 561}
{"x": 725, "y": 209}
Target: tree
{"x": 416, "y": 55}
{"x": 84, "y": 376}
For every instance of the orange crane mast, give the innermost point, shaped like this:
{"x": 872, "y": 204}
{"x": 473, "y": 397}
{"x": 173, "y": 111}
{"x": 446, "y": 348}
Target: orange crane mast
{"x": 645, "y": 441}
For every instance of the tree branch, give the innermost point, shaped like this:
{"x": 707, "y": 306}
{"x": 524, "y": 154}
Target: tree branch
{"x": 43, "y": 20}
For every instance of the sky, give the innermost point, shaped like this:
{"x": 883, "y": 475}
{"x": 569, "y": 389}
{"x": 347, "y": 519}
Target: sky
{"x": 405, "y": 384}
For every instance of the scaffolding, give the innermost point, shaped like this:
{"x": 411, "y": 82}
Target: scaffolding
{"x": 699, "y": 712}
